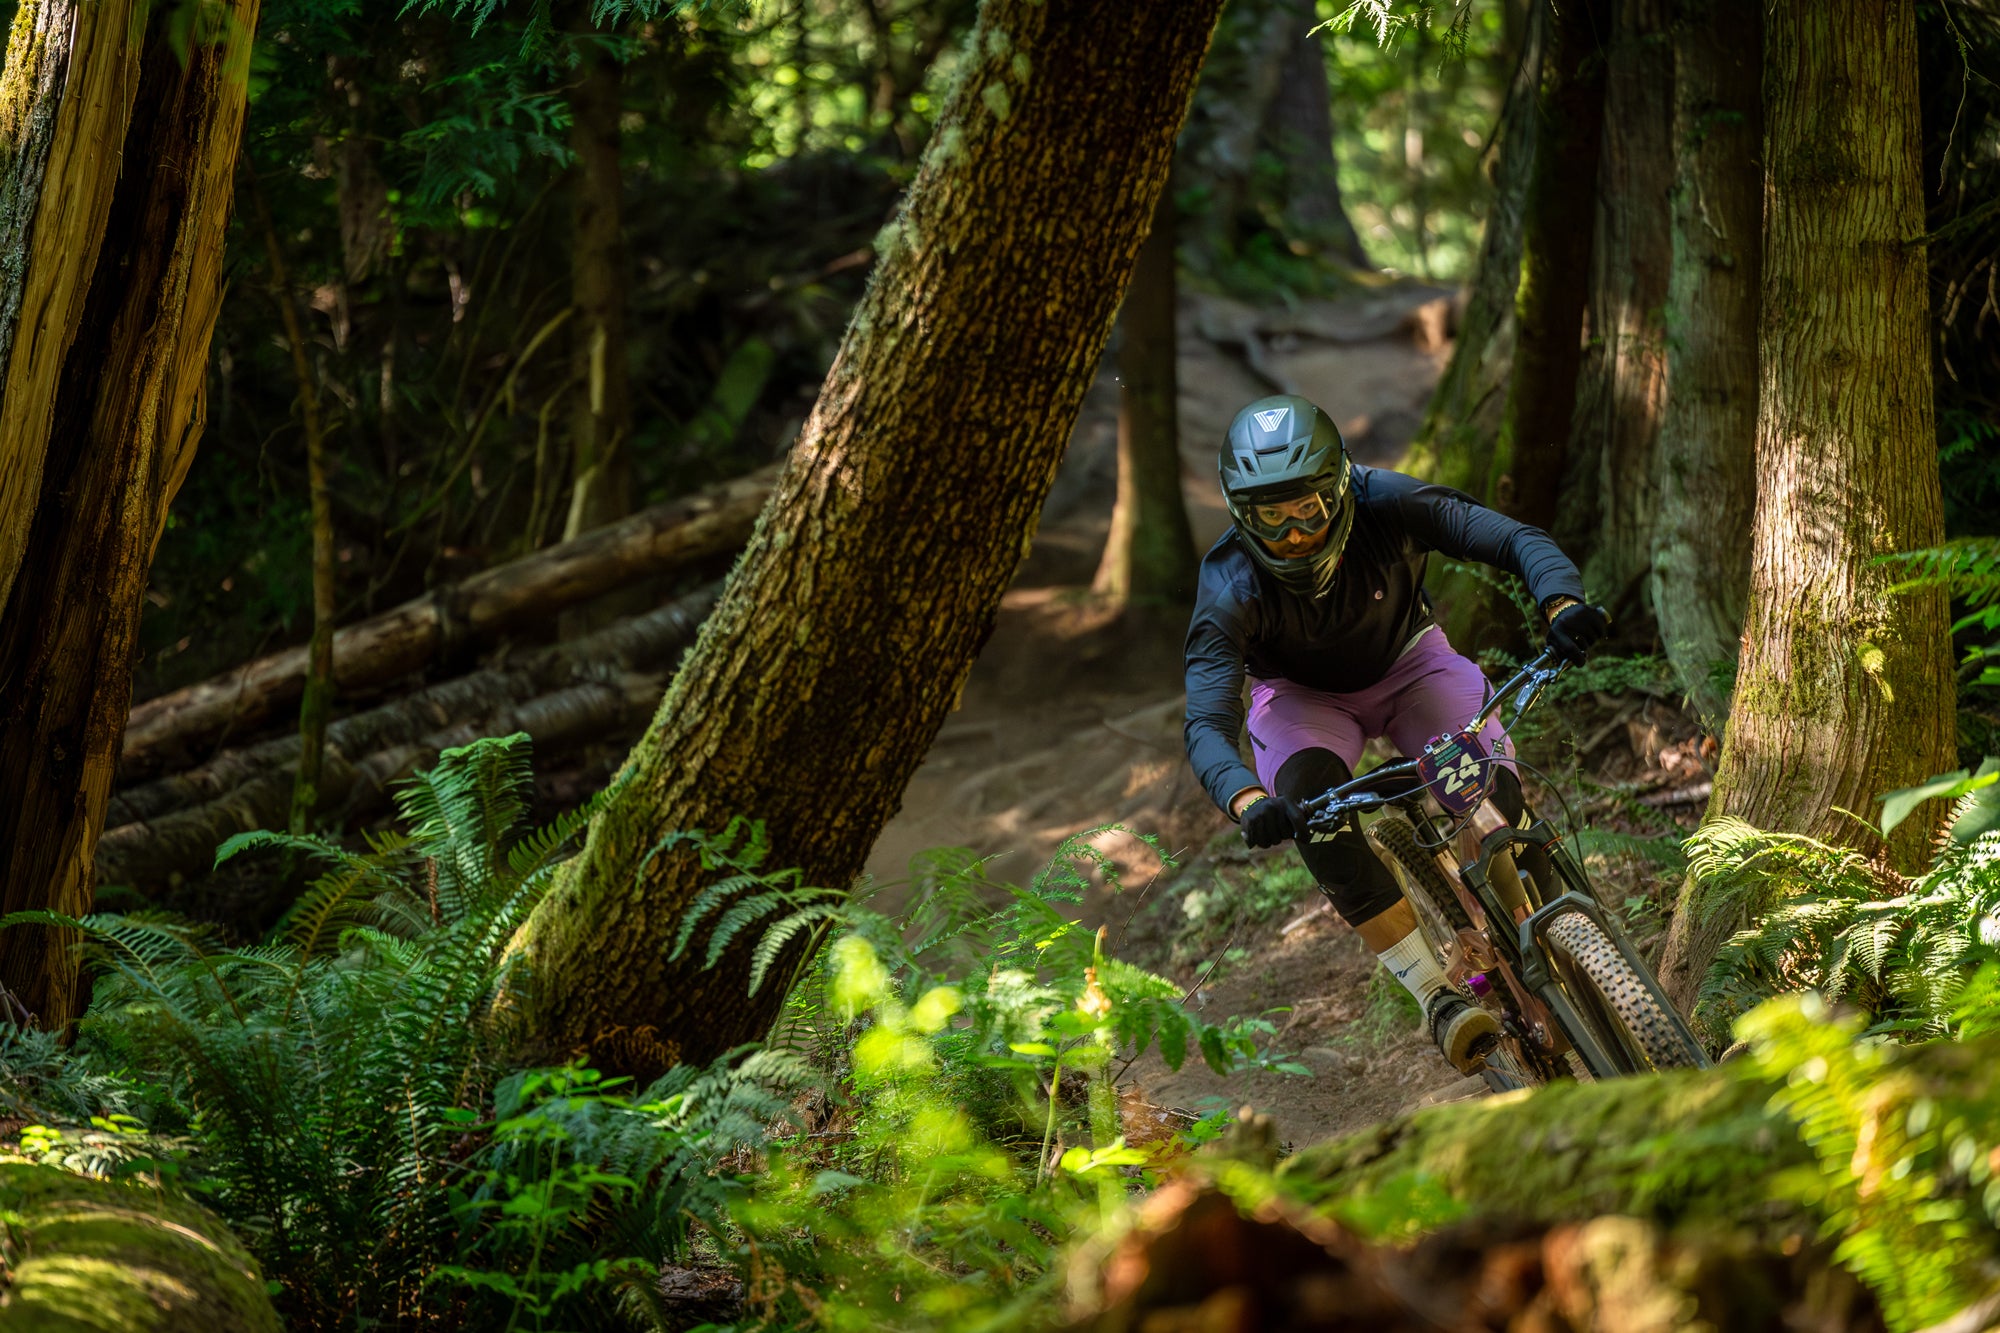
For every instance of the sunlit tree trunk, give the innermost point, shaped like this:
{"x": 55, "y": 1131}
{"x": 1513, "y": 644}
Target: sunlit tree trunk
{"x": 1610, "y": 503}
{"x": 1556, "y": 234}
{"x": 1705, "y": 467}
{"x": 124, "y": 416}
{"x": 850, "y": 623}
{"x": 1845, "y": 691}
{"x": 601, "y": 421}
{"x": 1149, "y": 555}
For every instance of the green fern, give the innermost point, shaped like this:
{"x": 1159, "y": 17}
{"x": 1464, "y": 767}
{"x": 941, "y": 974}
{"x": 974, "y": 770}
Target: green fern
{"x": 1901, "y": 951}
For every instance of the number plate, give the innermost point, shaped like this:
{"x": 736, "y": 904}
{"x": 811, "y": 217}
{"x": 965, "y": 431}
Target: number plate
{"x": 1457, "y": 770}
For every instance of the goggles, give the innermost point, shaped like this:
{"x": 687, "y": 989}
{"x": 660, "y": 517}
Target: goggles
{"x": 1309, "y": 515}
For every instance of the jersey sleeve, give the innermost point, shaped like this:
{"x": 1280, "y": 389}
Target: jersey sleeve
{"x": 1454, "y": 524}
{"x": 1215, "y": 640}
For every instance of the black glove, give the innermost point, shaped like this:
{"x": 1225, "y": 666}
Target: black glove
{"x": 1575, "y": 630}
{"x": 1270, "y": 820}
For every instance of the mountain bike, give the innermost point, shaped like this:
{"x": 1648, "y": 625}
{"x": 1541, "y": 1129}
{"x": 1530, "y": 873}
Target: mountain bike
{"x": 1571, "y": 993}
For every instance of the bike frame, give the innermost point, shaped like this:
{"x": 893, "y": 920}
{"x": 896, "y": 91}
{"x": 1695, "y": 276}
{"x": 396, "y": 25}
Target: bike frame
{"x": 1524, "y": 951}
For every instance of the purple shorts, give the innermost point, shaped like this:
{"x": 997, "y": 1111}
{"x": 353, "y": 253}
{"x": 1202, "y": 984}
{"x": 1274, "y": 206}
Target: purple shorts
{"x": 1429, "y": 691}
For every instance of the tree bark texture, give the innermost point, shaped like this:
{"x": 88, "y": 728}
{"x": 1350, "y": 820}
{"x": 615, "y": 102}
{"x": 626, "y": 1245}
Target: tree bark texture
{"x": 1608, "y": 511}
{"x": 1556, "y": 233}
{"x": 95, "y": 1256}
{"x": 601, "y": 420}
{"x": 1149, "y": 555}
{"x": 1845, "y": 691}
{"x": 1225, "y": 126}
{"x": 180, "y": 729}
{"x": 848, "y": 627}
{"x": 583, "y": 691}
{"x": 1705, "y": 469}
{"x": 1301, "y": 129}
{"x": 65, "y": 98}
{"x": 126, "y": 417}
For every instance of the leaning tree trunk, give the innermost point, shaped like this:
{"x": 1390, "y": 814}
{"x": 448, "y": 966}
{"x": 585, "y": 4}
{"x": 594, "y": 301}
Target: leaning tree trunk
{"x": 1556, "y": 232}
{"x": 1609, "y": 508}
{"x": 1845, "y": 690}
{"x": 601, "y": 420}
{"x": 1704, "y": 469}
{"x": 123, "y": 426}
{"x": 1149, "y": 556}
{"x": 849, "y": 626}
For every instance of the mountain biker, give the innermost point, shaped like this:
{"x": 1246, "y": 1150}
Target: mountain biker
{"x": 1317, "y": 592}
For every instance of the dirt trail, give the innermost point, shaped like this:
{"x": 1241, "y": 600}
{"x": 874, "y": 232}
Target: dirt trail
{"x": 1072, "y": 719}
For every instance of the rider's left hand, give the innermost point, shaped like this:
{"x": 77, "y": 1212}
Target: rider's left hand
{"x": 1575, "y": 630}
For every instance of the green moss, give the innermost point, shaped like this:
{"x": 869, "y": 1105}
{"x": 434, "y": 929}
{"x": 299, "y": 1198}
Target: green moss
{"x": 90, "y": 1254}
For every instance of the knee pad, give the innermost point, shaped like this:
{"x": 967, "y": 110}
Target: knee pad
{"x": 1506, "y": 793}
{"x": 1346, "y": 868}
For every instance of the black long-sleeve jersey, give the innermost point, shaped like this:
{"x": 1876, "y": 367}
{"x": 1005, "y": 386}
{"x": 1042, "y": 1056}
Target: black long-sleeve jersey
{"x": 1245, "y": 620}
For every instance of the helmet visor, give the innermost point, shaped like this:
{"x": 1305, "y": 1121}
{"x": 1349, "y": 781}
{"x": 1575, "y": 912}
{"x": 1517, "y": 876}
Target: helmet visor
{"x": 1308, "y": 514}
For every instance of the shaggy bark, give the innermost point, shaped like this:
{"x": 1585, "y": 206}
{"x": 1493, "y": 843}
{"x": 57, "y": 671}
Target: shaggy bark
{"x": 579, "y": 692}
{"x": 1556, "y": 233}
{"x": 1845, "y": 690}
{"x": 179, "y": 729}
{"x": 92, "y": 1256}
{"x": 1149, "y": 555}
{"x": 65, "y": 98}
{"x": 1705, "y": 467}
{"x": 1608, "y": 511}
{"x": 124, "y": 421}
{"x": 847, "y": 630}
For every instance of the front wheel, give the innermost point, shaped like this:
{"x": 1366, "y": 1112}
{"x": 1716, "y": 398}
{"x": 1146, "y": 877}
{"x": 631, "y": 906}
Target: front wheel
{"x": 1614, "y": 997}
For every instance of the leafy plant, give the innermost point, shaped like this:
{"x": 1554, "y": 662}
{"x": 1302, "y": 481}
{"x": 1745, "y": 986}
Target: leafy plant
{"x": 334, "y": 1082}
{"x": 1901, "y": 951}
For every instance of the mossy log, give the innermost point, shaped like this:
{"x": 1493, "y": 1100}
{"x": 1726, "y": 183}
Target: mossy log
{"x": 82, "y": 1255}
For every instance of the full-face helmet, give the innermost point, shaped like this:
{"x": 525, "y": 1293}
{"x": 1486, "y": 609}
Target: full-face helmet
{"x": 1285, "y": 470}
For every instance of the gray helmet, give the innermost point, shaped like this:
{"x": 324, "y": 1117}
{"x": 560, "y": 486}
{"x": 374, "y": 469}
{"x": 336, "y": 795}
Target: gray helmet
{"x": 1281, "y": 451}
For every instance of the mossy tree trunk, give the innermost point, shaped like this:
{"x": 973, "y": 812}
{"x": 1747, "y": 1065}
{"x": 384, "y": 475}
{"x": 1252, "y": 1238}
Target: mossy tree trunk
{"x": 123, "y": 414}
{"x": 1149, "y": 556}
{"x": 1705, "y": 469}
{"x": 848, "y": 627}
{"x": 1557, "y": 229}
{"x": 1610, "y": 504}
{"x": 1845, "y": 691}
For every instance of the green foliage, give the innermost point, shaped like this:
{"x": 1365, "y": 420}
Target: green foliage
{"x": 333, "y": 1082}
{"x": 1838, "y": 925}
{"x": 976, "y": 1037}
{"x": 1970, "y": 568}
{"x": 1904, "y": 1175}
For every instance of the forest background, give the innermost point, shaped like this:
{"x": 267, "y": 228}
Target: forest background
{"x": 379, "y": 379}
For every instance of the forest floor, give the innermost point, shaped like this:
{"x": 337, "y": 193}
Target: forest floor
{"x": 1072, "y": 721}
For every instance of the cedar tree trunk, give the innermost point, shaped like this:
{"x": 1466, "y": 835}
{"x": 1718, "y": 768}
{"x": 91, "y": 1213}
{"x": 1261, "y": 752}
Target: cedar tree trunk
{"x": 1705, "y": 467}
{"x": 848, "y": 627}
{"x": 1556, "y": 231}
{"x": 1845, "y": 691}
{"x": 1150, "y": 555}
{"x": 122, "y": 430}
{"x": 1607, "y": 514}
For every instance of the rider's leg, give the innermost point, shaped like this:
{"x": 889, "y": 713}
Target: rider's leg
{"x": 1508, "y": 799}
{"x": 1365, "y": 893}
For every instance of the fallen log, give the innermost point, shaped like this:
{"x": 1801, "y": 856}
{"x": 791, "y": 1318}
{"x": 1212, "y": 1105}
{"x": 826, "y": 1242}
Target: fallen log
{"x": 78, "y": 1255}
{"x": 563, "y": 696}
{"x": 176, "y": 729}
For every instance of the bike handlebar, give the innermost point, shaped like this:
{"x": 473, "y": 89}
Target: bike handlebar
{"x": 1331, "y": 807}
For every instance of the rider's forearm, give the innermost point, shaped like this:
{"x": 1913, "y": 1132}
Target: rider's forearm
{"x": 1243, "y": 800}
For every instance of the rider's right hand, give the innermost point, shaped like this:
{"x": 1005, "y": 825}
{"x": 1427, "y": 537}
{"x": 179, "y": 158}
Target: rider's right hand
{"x": 1272, "y": 819}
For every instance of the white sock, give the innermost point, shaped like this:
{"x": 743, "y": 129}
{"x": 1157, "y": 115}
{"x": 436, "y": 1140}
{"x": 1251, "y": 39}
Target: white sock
{"x": 1411, "y": 962}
